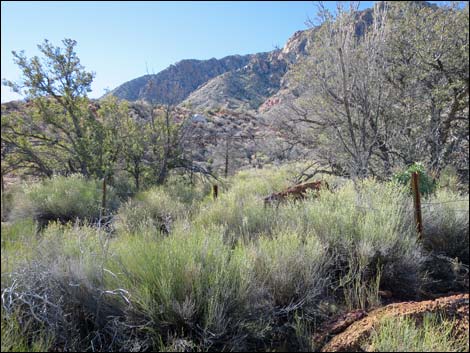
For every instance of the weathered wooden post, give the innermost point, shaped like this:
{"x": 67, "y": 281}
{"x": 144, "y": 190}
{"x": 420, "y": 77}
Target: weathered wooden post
{"x": 226, "y": 157}
{"x": 3, "y": 197}
{"x": 103, "y": 203}
{"x": 215, "y": 191}
{"x": 417, "y": 203}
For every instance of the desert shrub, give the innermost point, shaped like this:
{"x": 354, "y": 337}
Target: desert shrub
{"x": 446, "y": 224}
{"x": 239, "y": 209}
{"x": 231, "y": 275}
{"x": 154, "y": 208}
{"x": 18, "y": 242}
{"x": 185, "y": 192}
{"x": 60, "y": 305}
{"x": 63, "y": 199}
{"x": 291, "y": 270}
{"x": 22, "y": 230}
{"x": 365, "y": 225}
{"x": 241, "y": 216}
{"x": 198, "y": 291}
{"x": 449, "y": 179}
{"x": 189, "y": 284}
{"x": 59, "y": 294}
{"x": 8, "y": 196}
{"x": 403, "y": 334}
{"x": 427, "y": 184}
{"x": 123, "y": 186}
{"x": 22, "y": 338}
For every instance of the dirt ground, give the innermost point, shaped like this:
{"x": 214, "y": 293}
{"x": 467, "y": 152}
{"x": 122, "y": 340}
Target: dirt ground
{"x": 349, "y": 332}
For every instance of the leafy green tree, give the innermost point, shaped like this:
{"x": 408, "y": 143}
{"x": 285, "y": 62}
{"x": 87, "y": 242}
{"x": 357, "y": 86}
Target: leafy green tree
{"x": 57, "y": 119}
{"x": 29, "y": 146}
{"x": 107, "y": 137}
{"x": 135, "y": 145}
{"x": 60, "y": 130}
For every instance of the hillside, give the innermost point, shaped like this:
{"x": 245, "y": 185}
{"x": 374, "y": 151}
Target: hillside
{"x": 234, "y": 82}
{"x": 176, "y": 82}
{"x": 242, "y": 83}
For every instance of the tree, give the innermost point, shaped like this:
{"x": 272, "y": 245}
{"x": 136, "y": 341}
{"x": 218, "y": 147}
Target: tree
{"x": 385, "y": 88}
{"x": 57, "y": 119}
{"x": 135, "y": 146}
{"x": 346, "y": 103}
{"x": 428, "y": 64}
{"x": 169, "y": 136}
{"x": 107, "y": 138}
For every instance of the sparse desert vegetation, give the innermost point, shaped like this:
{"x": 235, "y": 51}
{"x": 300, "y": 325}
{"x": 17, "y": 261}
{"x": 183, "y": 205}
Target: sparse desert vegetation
{"x": 230, "y": 275}
{"x": 313, "y": 197}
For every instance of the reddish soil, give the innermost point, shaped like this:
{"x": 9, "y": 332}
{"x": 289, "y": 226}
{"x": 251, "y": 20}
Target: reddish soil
{"x": 351, "y": 330}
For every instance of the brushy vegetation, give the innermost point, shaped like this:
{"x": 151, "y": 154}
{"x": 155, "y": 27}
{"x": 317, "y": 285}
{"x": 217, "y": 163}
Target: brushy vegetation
{"x": 15, "y": 337}
{"x": 160, "y": 207}
{"x": 154, "y": 208}
{"x": 404, "y": 334}
{"x": 225, "y": 274}
{"x": 427, "y": 184}
{"x": 62, "y": 198}
{"x": 445, "y": 218}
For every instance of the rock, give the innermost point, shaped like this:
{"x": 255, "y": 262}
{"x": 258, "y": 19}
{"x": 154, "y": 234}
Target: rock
{"x": 198, "y": 118}
{"x": 353, "y": 338}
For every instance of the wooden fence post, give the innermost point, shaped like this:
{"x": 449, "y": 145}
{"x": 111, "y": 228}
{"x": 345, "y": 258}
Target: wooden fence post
{"x": 417, "y": 203}
{"x": 103, "y": 203}
{"x": 215, "y": 191}
{"x": 3, "y": 197}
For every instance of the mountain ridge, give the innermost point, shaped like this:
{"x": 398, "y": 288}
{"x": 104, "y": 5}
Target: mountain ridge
{"x": 238, "y": 82}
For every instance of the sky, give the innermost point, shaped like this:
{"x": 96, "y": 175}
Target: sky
{"x": 122, "y": 40}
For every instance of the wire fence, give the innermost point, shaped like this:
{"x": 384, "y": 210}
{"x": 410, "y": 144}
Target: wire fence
{"x": 424, "y": 206}
{"x": 441, "y": 202}
{"x": 105, "y": 218}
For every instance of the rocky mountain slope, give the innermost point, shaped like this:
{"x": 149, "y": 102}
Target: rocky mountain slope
{"x": 249, "y": 87}
{"x": 176, "y": 82}
{"x": 253, "y": 83}
{"x": 234, "y": 82}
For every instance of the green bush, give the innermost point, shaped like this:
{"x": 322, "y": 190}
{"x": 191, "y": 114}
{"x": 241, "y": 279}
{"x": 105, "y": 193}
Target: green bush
{"x": 186, "y": 282}
{"x": 449, "y": 179}
{"x": 64, "y": 302}
{"x": 232, "y": 274}
{"x": 427, "y": 184}
{"x": 240, "y": 209}
{"x": 7, "y": 201}
{"x": 64, "y": 199}
{"x": 292, "y": 271}
{"x": 404, "y": 334}
{"x": 18, "y": 242}
{"x": 366, "y": 227}
{"x": 186, "y": 193}
{"x": 154, "y": 208}
{"x": 22, "y": 338}
{"x": 123, "y": 186}
{"x": 193, "y": 282}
